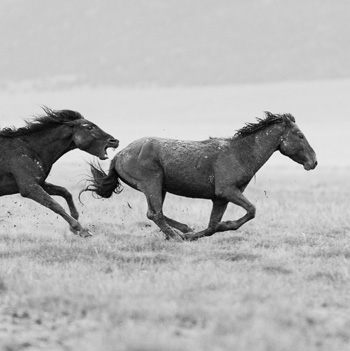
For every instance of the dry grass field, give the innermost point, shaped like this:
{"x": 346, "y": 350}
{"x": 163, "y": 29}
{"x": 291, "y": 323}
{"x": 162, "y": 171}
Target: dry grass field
{"x": 281, "y": 282}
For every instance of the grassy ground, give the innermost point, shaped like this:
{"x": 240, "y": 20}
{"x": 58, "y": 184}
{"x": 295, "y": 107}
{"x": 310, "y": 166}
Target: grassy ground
{"x": 281, "y": 282}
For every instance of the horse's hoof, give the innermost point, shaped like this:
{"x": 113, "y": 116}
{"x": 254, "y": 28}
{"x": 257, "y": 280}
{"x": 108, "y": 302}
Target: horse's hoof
{"x": 176, "y": 237}
{"x": 188, "y": 230}
{"x": 190, "y": 237}
{"x": 85, "y": 233}
{"x": 179, "y": 237}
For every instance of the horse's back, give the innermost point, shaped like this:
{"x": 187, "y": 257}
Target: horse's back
{"x": 184, "y": 167}
{"x": 150, "y": 149}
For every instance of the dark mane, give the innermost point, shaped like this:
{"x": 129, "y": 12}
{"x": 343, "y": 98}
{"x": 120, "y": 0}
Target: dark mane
{"x": 43, "y": 122}
{"x": 270, "y": 118}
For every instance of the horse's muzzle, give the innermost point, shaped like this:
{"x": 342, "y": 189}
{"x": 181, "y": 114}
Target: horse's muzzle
{"x": 308, "y": 166}
{"x": 113, "y": 143}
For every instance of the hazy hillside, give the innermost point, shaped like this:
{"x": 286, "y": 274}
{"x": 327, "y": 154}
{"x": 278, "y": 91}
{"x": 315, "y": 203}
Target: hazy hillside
{"x": 173, "y": 42}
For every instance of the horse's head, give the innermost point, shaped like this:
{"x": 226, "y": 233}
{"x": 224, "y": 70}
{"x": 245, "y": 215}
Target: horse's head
{"x": 89, "y": 137}
{"x": 295, "y": 145}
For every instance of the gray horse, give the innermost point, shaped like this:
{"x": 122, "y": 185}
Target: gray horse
{"x": 215, "y": 169}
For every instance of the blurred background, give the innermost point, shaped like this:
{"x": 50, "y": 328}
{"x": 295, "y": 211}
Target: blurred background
{"x": 181, "y": 69}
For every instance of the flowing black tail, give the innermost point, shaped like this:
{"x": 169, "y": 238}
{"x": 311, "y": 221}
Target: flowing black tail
{"x": 102, "y": 184}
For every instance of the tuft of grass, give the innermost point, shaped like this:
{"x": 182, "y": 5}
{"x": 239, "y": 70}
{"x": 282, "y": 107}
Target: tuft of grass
{"x": 337, "y": 252}
{"x": 233, "y": 257}
{"x": 331, "y": 277}
{"x": 277, "y": 270}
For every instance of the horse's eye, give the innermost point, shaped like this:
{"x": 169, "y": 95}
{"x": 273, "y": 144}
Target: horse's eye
{"x": 301, "y": 136}
{"x": 90, "y": 127}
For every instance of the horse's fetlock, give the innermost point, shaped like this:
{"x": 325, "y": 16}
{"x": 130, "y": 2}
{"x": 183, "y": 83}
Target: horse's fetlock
{"x": 76, "y": 227}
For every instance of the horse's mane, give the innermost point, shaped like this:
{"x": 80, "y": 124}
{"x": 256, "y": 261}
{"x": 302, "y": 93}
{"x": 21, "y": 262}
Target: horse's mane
{"x": 43, "y": 122}
{"x": 270, "y": 119}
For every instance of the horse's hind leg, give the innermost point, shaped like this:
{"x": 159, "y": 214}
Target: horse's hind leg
{"x": 184, "y": 228}
{"x": 155, "y": 213}
{"x": 63, "y": 192}
{"x": 34, "y": 191}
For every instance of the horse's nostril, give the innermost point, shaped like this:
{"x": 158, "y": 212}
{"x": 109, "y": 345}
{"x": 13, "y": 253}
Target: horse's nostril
{"x": 114, "y": 141}
{"x": 316, "y": 163}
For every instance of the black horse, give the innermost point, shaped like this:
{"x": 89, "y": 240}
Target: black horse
{"x": 216, "y": 169}
{"x": 28, "y": 153}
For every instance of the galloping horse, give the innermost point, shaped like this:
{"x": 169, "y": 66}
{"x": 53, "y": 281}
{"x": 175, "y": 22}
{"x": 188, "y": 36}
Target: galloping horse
{"x": 216, "y": 169}
{"x": 28, "y": 153}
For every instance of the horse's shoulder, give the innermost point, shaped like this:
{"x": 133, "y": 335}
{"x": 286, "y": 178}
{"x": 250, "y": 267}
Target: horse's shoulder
{"x": 12, "y": 144}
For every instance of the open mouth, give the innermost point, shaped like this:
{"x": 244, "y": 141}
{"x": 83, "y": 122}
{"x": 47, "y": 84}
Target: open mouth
{"x": 109, "y": 144}
{"x": 104, "y": 155}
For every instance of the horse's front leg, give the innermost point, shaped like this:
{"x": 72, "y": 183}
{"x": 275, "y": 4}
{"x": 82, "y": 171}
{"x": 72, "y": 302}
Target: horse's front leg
{"x": 235, "y": 196}
{"x": 32, "y": 190}
{"x": 56, "y": 190}
{"x": 218, "y": 210}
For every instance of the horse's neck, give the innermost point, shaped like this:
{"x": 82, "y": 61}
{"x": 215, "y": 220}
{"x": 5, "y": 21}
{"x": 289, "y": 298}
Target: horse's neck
{"x": 50, "y": 145}
{"x": 260, "y": 146}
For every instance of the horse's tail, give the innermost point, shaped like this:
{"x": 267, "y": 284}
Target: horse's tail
{"x": 102, "y": 184}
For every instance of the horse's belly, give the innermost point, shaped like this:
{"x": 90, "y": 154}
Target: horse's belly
{"x": 193, "y": 178}
{"x": 190, "y": 188}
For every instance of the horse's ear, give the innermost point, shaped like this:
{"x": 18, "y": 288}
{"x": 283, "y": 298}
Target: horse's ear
{"x": 69, "y": 123}
{"x": 72, "y": 123}
{"x": 289, "y": 117}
